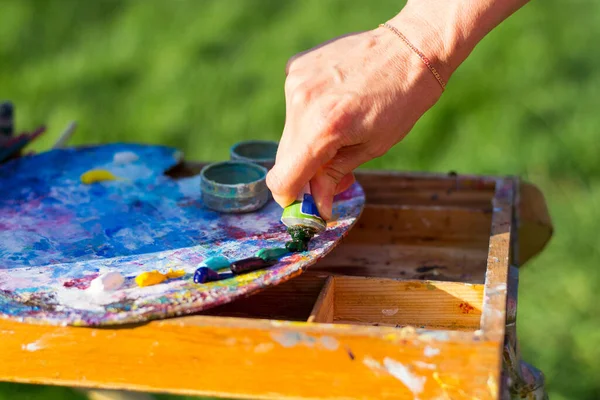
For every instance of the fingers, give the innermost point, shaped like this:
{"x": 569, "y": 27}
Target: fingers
{"x": 347, "y": 181}
{"x": 298, "y": 160}
{"x": 335, "y": 177}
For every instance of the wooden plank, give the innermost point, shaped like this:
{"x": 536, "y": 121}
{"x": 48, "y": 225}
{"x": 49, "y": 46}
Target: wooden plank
{"x": 389, "y": 187}
{"x": 434, "y": 226}
{"x": 493, "y": 317}
{"x": 323, "y": 311}
{"x": 426, "y": 304}
{"x": 398, "y": 261}
{"x": 237, "y": 358}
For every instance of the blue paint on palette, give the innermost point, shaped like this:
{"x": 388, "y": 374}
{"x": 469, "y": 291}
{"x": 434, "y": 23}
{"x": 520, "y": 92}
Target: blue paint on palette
{"x": 57, "y": 234}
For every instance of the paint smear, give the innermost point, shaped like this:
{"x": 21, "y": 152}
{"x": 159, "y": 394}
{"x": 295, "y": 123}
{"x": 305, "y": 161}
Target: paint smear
{"x": 97, "y": 175}
{"x": 413, "y": 382}
{"x": 431, "y": 351}
{"x": 291, "y": 339}
{"x": 37, "y": 345}
{"x": 329, "y": 343}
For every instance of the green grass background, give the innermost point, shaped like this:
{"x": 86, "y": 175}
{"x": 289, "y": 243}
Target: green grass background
{"x": 200, "y": 75}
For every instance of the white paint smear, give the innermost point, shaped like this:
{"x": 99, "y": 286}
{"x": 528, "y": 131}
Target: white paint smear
{"x": 329, "y": 343}
{"x": 107, "y": 282}
{"x": 125, "y": 157}
{"x": 389, "y": 312}
{"x": 424, "y": 365}
{"x": 431, "y": 351}
{"x": 32, "y": 346}
{"x": 412, "y": 381}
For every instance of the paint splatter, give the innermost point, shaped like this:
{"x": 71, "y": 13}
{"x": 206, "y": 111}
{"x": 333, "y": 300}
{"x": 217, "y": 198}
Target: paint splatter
{"x": 97, "y": 175}
{"x": 35, "y": 346}
{"x": 413, "y": 382}
{"x": 350, "y": 354}
{"x": 466, "y": 308}
{"x": 330, "y": 343}
{"x": 431, "y": 351}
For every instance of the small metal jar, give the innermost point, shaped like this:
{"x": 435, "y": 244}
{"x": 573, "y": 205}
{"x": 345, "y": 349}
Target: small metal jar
{"x": 261, "y": 152}
{"x": 234, "y": 186}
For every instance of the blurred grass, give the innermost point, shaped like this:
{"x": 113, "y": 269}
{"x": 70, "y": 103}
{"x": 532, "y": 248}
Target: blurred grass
{"x": 201, "y": 74}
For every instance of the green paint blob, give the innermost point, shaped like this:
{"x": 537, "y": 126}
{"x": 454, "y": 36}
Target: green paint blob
{"x": 271, "y": 254}
{"x": 296, "y": 246}
{"x": 216, "y": 263}
{"x": 301, "y": 235}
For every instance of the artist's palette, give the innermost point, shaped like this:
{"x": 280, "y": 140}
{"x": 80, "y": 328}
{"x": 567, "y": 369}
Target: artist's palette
{"x": 58, "y": 234}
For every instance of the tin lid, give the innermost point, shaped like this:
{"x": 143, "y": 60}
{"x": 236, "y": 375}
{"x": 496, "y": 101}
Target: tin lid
{"x": 261, "y": 152}
{"x": 234, "y": 186}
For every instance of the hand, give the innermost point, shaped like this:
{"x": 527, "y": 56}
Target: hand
{"x": 347, "y": 101}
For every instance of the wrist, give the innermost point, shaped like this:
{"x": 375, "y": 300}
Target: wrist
{"x": 446, "y": 32}
{"x": 427, "y": 35}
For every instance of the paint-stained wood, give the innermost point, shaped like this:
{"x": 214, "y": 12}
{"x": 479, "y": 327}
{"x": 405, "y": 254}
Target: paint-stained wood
{"x": 269, "y": 360}
{"x": 493, "y": 316}
{"x": 430, "y": 250}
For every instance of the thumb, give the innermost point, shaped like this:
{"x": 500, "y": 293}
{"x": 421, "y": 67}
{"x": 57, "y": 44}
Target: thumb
{"x": 335, "y": 177}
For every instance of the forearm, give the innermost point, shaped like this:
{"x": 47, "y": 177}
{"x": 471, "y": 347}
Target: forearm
{"x": 447, "y": 31}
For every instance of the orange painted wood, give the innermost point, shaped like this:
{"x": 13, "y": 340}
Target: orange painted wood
{"x": 254, "y": 359}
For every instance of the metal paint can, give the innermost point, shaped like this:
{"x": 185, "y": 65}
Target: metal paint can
{"x": 261, "y": 152}
{"x": 234, "y": 186}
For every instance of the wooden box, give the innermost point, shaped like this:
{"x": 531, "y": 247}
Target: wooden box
{"x": 418, "y": 302}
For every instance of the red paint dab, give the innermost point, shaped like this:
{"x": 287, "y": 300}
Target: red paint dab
{"x": 466, "y": 308}
{"x": 80, "y": 283}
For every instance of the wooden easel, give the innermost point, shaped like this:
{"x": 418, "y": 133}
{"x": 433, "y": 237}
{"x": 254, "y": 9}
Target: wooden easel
{"x": 419, "y": 301}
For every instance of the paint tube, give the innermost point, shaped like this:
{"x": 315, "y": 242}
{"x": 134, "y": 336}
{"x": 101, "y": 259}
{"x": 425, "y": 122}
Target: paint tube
{"x": 303, "y": 212}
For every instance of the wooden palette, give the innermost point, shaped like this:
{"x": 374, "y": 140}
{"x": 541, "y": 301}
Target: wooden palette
{"x": 57, "y": 234}
{"x": 418, "y": 302}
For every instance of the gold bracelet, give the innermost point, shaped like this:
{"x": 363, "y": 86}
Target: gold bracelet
{"x": 421, "y": 55}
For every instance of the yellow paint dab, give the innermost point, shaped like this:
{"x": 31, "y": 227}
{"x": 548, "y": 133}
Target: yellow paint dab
{"x": 97, "y": 175}
{"x": 175, "y": 274}
{"x": 154, "y": 277}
